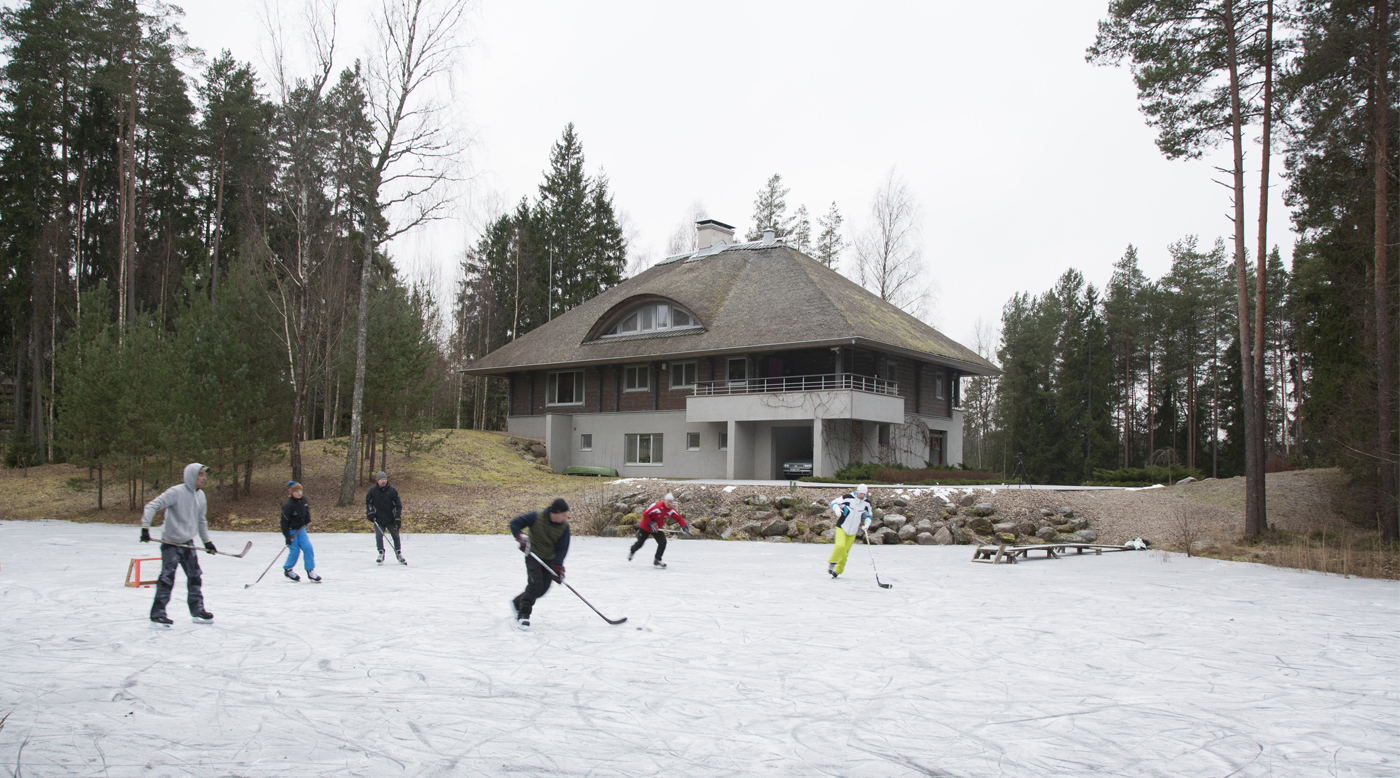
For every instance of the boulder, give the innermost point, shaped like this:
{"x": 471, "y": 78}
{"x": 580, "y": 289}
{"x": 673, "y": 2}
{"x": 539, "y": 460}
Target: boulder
{"x": 924, "y": 539}
{"x": 797, "y": 529}
{"x": 608, "y": 532}
{"x": 885, "y": 536}
{"x": 1065, "y": 529}
{"x": 757, "y": 499}
{"x": 632, "y": 519}
{"x": 1046, "y": 512}
{"x": 1026, "y": 527}
{"x": 537, "y": 450}
{"x": 752, "y": 528}
{"x": 723, "y": 512}
{"x": 895, "y": 521}
{"x": 907, "y": 532}
{"x": 900, "y": 502}
{"x": 1005, "y": 526}
{"x": 980, "y": 525}
{"x": 1045, "y": 533}
{"x": 775, "y": 527}
{"x": 1188, "y": 479}
{"x": 1067, "y": 539}
{"x": 790, "y": 502}
{"x": 829, "y": 534}
{"x": 966, "y": 500}
{"x": 982, "y": 509}
{"x": 701, "y": 524}
{"x": 764, "y": 515}
{"x": 777, "y": 539}
{"x": 878, "y": 513}
{"x": 925, "y": 525}
{"x": 959, "y": 534}
{"x": 1080, "y": 523}
{"x": 1089, "y": 535}
{"x": 823, "y": 526}
{"x": 943, "y": 537}
{"x": 1006, "y": 537}
{"x": 1066, "y": 511}
{"x": 684, "y": 497}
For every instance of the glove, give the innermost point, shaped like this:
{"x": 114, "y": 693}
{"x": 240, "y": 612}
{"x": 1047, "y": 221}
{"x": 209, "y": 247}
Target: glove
{"x": 865, "y": 526}
{"x": 398, "y": 523}
{"x": 558, "y": 573}
{"x": 524, "y": 543}
{"x": 686, "y": 530}
{"x": 288, "y": 538}
{"x": 209, "y": 546}
{"x": 145, "y": 535}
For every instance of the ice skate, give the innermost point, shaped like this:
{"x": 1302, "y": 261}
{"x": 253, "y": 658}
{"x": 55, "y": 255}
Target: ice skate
{"x": 312, "y": 577}
{"x": 291, "y": 576}
{"x": 831, "y": 568}
{"x": 522, "y": 624}
{"x": 402, "y": 561}
{"x": 160, "y": 621}
{"x": 203, "y": 617}
{"x": 631, "y": 554}
{"x": 658, "y": 564}
{"x": 380, "y": 560}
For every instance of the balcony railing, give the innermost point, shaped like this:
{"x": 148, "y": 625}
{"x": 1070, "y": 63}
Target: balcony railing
{"x": 798, "y": 383}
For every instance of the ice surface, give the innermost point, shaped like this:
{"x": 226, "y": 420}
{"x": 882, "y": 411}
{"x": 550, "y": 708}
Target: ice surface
{"x": 750, "y": 661}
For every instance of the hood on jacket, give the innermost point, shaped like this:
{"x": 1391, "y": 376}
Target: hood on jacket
{"x": 191, "y": 474}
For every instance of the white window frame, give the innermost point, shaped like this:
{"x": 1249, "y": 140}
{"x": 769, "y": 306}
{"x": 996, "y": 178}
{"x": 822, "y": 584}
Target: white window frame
{"x": 692, "y": 436}
{"x": 660, "y": 315}
{"x": 585, "y": 441}
{"x": 631, "y": 449}
{"x": 729, "y": 373}
{"x": 724, "y": 441}
{"x": 643, "y": 371}
{"x": 694, "y": 374}
{"x": 551, "y": 392}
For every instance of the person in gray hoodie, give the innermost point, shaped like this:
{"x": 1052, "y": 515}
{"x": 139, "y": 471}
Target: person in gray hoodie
{"x": 185, "y": 514}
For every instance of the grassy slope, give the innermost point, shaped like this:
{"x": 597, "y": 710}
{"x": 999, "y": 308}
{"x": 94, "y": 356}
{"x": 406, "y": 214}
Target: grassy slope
{"x": 473, "y": 483}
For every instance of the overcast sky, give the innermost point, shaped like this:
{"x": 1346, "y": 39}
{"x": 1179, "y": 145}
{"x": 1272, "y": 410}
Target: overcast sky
{"x": 1026, "y": 159}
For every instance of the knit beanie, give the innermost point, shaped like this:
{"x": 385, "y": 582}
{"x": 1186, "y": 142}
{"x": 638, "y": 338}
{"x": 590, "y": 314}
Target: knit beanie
{"x": 558, "y": 506}
{"x": 291, "y": 485}
{"x": 381, "y": 476}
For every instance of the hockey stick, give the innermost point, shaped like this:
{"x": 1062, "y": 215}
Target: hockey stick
{"x": 575, "y": 591}
{"x": 197, "y": 548}
{"x": 872, "y": 564}
{"x": 269, "y": 566}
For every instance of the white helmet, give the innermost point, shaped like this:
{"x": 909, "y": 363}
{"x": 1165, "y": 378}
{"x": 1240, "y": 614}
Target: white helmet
{"x": 862, "y": 490}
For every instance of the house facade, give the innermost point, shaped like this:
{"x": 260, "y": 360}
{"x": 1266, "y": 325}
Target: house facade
{"x": 729, "y": 362}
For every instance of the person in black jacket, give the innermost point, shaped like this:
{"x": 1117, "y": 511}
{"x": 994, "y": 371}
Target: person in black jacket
{"x": 296, "y": 514}
{"x": 384, "y": 511}
{"x": 548, "y": 538}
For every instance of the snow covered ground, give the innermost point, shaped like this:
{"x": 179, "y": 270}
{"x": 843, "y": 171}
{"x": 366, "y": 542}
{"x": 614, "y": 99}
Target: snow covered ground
{"x": 749, "y": 661}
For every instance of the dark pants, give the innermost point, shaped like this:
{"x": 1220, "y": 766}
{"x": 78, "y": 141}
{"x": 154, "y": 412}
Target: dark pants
{"x": 538, "y": 579}
{"x": 379, "y": 529}
{"x": 642, "y": 536}
{"x": 170, "y": 558}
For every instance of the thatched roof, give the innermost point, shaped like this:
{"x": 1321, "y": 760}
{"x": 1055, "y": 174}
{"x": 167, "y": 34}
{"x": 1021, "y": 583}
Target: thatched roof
{"x": 749, "y": 297}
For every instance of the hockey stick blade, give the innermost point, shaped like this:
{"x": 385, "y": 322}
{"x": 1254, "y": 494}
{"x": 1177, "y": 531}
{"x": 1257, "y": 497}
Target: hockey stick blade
{"x": 872, "y": 566}
{"x": 576, "y": 594}
{"x": 239, "y": 555}
{"x": 269, "y": 567}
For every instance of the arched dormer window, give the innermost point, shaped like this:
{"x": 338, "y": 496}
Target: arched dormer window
{"x": 651, "y": 316}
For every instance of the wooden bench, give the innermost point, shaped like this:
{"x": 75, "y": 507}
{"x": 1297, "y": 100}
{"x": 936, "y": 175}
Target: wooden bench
{"x": 1004, "y": 554}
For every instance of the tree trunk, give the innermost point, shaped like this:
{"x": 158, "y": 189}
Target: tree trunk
{"x": 218, "y": 221}
{"x": 347, "y": 476}
{"x": 1254, "y": 466}
{"x": 1380, "y": 115}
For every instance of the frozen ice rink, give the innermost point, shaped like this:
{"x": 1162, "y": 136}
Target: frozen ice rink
{"x": 749, "y": 661}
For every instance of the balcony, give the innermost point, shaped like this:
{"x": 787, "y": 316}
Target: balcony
{"x": 798, "y": 383}
{"x": 796, "y": 398}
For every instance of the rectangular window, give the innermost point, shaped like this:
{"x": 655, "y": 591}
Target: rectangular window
{"x": 565, "y": 388}
{"x": 643, "y": 449}
{"x": 585, "y": 442}
{"x": 892, "y": 370}
{"x": 724, "y": 441}
{"x": 662, "y": 316}
{"x": 648, "y": 315}
{"x": 692, "y": 441}
{"x": 682, "y": 375}
{"x": 636, "y": 378}
{"x": 938, "y": 384}
{"x": 937, "y": 440}
{"x": 738, "y": 371}
{"x": 884, "y": 432}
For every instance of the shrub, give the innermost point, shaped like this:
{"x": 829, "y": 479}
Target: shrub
{"x": 1143, "y": 475}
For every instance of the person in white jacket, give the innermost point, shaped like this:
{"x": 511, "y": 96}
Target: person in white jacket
{"x": 853, "y": 514}
{"x": 185, "y": 514}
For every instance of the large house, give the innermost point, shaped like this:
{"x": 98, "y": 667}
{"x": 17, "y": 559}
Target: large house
{"x": 731, "y": 361}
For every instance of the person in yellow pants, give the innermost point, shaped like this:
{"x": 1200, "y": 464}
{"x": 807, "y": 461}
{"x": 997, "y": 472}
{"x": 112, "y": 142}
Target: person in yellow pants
{"x": 853, "y": 513}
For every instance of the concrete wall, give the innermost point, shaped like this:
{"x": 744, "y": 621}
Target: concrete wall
{"x": 526, "y": 426}
{"x": 784, "y": 406}
{"x": 609, "y": 431}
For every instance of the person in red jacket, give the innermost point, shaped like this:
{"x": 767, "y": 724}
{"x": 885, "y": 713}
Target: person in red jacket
{"x": 654, "y": 519}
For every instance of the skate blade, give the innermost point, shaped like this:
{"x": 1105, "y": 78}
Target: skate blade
{"x": 158, "y": 625}
{"x": 202, "y": 621}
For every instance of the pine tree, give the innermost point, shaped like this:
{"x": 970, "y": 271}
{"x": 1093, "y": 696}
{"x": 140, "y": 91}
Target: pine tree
{"x": 830, "y": 242}
{"x": 770, "y": 210}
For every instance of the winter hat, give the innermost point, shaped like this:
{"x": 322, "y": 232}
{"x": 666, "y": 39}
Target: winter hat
{"x": 669, "y": 497}
{"x": 292, "y": 485}
{"x": 558, "y": 506}
{"x": 862, "y": 489}
{"x": 381, "y": 476}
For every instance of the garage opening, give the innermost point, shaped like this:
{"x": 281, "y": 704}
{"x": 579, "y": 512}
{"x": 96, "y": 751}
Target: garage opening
{"x": 792, "y": 452}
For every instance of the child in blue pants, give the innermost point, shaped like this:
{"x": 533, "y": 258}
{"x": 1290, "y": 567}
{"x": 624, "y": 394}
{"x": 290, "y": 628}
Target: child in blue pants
{"x": 296, "y": 514}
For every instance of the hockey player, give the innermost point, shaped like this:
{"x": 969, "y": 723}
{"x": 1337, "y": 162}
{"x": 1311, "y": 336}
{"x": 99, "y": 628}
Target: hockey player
{"x": 185, "y": 514}
{"x": 383, "y": 509}
{"x": 296, "y": 514}
{"x": 546, "y": 533}
{"x": 653, "y": 521}
{"x": 853, "y": 513}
